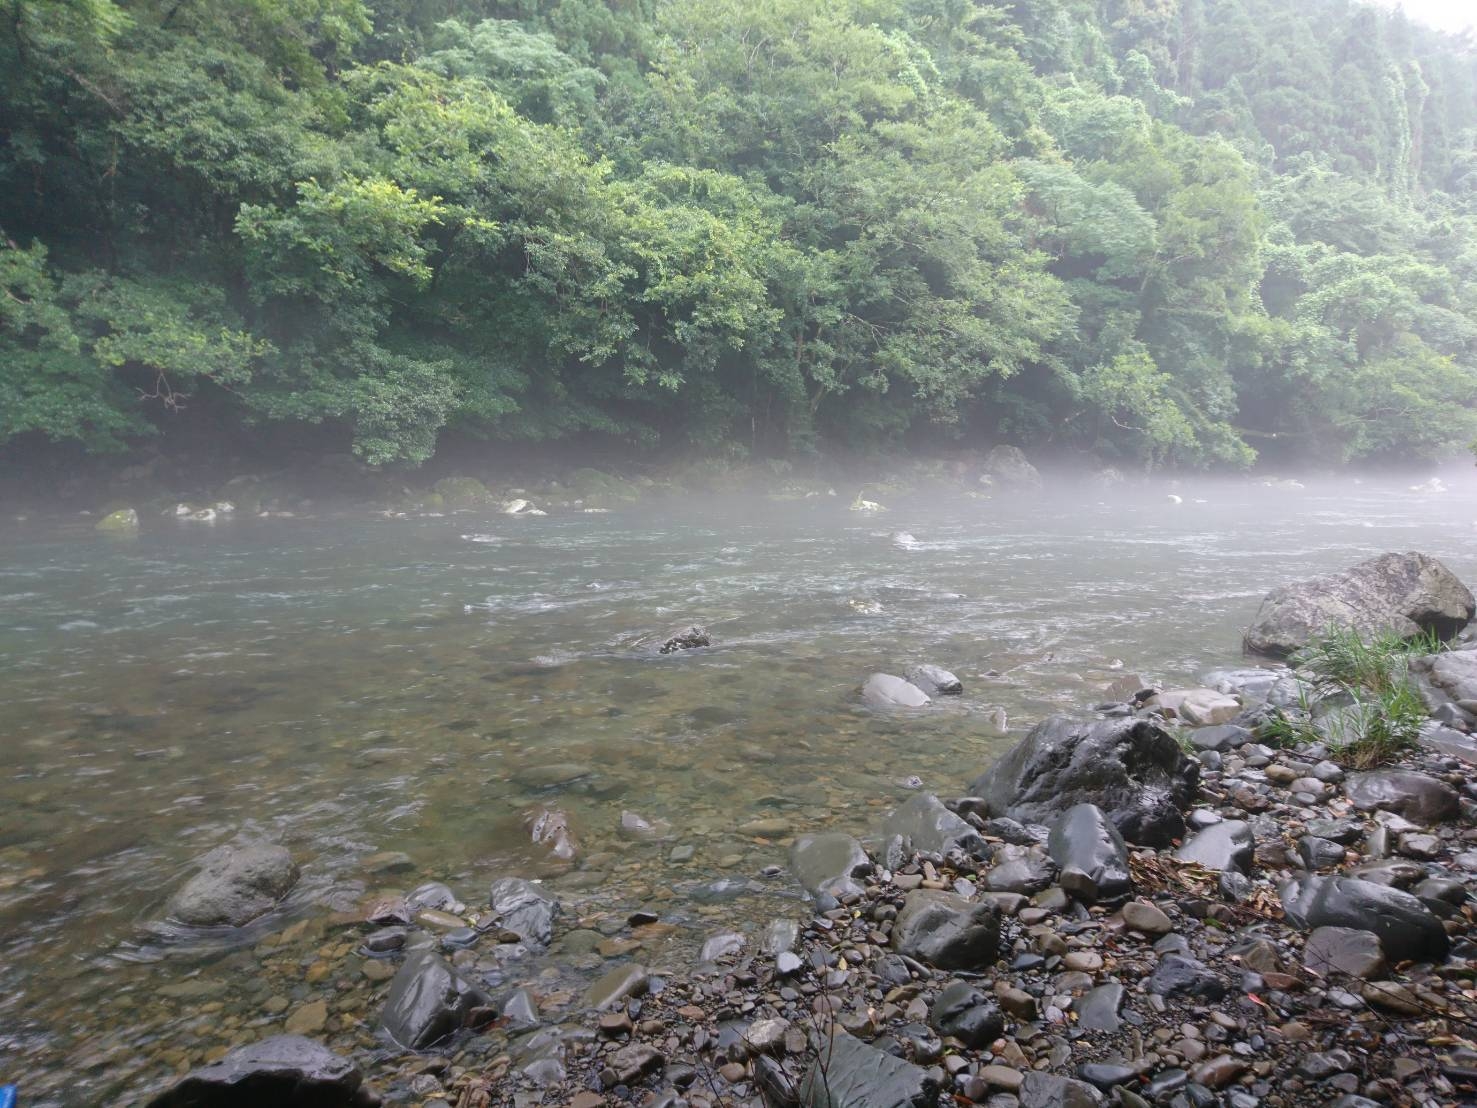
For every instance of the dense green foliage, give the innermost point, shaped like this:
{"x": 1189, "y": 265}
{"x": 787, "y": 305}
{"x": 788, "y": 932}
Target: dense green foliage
{"x": 1165, "y": 231}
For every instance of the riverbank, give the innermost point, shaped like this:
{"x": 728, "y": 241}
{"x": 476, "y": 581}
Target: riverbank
{"x": 1161, "y": 900}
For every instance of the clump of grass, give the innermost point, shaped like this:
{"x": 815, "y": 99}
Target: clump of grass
{"x": 1385, "y": 714}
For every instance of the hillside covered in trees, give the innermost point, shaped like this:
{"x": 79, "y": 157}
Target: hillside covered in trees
{"x": 1167, "y": 232}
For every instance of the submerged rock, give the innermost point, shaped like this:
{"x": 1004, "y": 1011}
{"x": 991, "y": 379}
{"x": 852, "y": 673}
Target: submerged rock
{"x": 549, "y": 827}
{"x": 428, "y": 1002}
{"x": 237, "y": 883}
{"x": 1404, "y": 594}
{"x": 883, "y": 690}
{"x": 1130, "y": 768}
{"x": 829, "y": 864}
{"x": 286, "y": 1071}
{"x": 690, "y": 639}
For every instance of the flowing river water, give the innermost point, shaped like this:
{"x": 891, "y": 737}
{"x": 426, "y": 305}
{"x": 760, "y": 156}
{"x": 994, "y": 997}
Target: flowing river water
{"x": 355, "y": 684}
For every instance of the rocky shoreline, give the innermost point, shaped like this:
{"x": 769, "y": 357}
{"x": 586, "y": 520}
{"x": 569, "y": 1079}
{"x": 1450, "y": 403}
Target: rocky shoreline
{"x": 1153, "y": 904}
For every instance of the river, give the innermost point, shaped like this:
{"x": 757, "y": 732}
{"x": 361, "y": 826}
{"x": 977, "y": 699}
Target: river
{"x": 356, "y": 684}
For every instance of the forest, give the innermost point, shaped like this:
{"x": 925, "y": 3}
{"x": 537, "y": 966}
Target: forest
{"x": 1164, "y": 233}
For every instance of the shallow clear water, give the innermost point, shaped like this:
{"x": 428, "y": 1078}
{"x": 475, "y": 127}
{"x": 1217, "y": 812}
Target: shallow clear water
{"x": 358, "y": 684}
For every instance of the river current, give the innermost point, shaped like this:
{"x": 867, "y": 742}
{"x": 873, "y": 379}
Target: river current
{"x": 355, "y": 684}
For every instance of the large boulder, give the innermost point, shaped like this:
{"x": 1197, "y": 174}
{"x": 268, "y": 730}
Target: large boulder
{"x": 829, "y": 864}
{"x": 1407, "y": 930}
{"x": 1415, "y": 796}
{"x": 1007, "y": 467}
{"x": 847, "y": 1073}
{"x": 1092, "y": 855}
{"x": 1406, "y": 594}
{"x": 237, "y": 883}
{"x": 524, "y": 909}
{"x": 926, "y": 826}
{"x": 1130, "y": 768}
{"x": 286, "y": 1070}
{"x": 429, "y": 1001}
{"x": 883, "y": 690}
{"x": 947, "y": 931}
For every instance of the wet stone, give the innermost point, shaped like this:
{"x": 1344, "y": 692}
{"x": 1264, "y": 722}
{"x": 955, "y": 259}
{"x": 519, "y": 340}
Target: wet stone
{"x": 1098, "y": 1010}
{"x": 617, "y": 985}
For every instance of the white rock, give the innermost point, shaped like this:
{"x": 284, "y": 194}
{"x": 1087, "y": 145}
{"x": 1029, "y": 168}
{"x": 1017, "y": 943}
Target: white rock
{"x": 513, "y": 507}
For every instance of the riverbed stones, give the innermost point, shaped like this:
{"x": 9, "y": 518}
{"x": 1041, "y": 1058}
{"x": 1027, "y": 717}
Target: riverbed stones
{"x": 1416, "y": 796}
{"x": 947, "y": 931}
{"x": 1130, "y": 768}
{"x": 618, "y": 985}
{"x": 1045, "y": 1090}
{"x": 829, "y": 864}
{"x": 1227, "y": 845}
{"x": 286, "y": 1070}
{"x": 1406, "y": 928}
{"x": 1098, "y": 1009}
{"x": 1181, "y": 975}
{"x": 524, "y": 909}
{"x": 1404, "y": 594}
{"x": 1146, "y": 918}
{"x": 966, "y": 1014}
{"x": 1092, "y": 855}
{"x": 924, "y": 825}
{"x": 847, "y": 1073}
{"x": 883, "y": 690}
{"x": 935, "y": 680}
{"x": 237, "y": 883}
{"x": 428, "y": 1002}
{"x": 1344, "y": 950}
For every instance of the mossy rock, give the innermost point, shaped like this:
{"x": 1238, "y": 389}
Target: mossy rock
{"x": 460, "y": 492}
{"x": 604, "y": 488}
{"x": 122, "y": 522}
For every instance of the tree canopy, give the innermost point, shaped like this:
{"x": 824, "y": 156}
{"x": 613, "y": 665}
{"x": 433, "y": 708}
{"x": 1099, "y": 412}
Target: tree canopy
{"x": 1167, "y": 232}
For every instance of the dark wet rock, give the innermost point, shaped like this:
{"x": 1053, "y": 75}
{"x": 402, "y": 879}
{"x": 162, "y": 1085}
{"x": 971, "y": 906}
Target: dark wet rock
{"x": 1130, "y": 768}
{"x": 1044, "y": 1090}
{"x": 286, "y": 1070}
{"x": 1397, "y": 873}
{"x": 829, "y": 864}
{"x": 883, "y": 690}
{"x": 1098, "y": 1009}
{"x": 1220, "y": 738}
{"x": 1319, "y": 853}
{"x": 237, "y": 883}
{"x": 1344, "y": 950}
{"x": 520, "y": 1009}
{"x": 935, "y": 681}
{"x": 554, "y": 776}
{"x": 1019, "y": 869}
{"x": 1345, "y": 832}
{"x": 946, "y": 931}
{"x": 617, "y": 985}
{"x": 524, "y": 909}
{"x": 965, "y": 1013}
{"x": 1227, "y": 845}
{"x": 925, "y": 825}
{"x": 847, "y": 1073}
{"x": 1401, "y": 593}
{"x": 1178, "y": 975}
{"x": 1104, "y": 1075}
{"x": 428, "y": 1002}
{"x": 1092, "y": 855}
{"x": 690, "y": 639}
{"x": 1415, "y": 796}
{"x": 1407, "y": 930}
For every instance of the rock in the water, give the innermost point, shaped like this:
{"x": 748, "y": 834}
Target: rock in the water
{"x": 640, "y": 829}
{"x": 967, "y": 1014}
{"x": 549, "y": 827}
{"x": 1092, "y": 855}
{"x": 1401, "y": 593}
{"x": 122, "y": 522}
{"x": 847, "y": 1073}
{"x": 286, "y": 1070}
{"x": 925, "y": 825}
{"x": 1407, "y": 930}
{"x": 1197, "y": 707}
{"x": 935, "y": 681}
{"x": 1007, "y": 466}
{"x": 1344, "y": 950}
{"x": 237, "y": 883}
{"x": 1227, "y": 845}
{"x": 428, "y": 1002}
{"x": 883, "y": 690}
{"x": 947, "y": 931}
{"x": 829, "y": 864}
{"x": 690, "y": 639}
{"x": 524, "y": 909}
{"x": 1130, "y": 768}
{"x": 1418, "y": 798}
